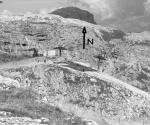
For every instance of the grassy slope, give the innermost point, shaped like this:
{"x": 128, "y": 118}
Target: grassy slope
{"x": 24, "y": 103}
{"x": 66, "y": 89}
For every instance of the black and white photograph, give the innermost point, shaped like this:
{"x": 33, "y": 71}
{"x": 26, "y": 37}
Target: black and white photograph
{"x": 74, "y": 62}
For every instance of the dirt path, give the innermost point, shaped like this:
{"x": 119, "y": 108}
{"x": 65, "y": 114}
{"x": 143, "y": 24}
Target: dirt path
{"x": 116, "y": 81}
{"x": 111, "y": 79}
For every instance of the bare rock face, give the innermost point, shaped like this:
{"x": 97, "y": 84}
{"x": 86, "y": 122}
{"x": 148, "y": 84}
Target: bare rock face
{"x": 75, "y": 13}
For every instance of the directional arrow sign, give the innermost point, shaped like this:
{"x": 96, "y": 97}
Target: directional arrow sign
{"x": 84, "y": 33}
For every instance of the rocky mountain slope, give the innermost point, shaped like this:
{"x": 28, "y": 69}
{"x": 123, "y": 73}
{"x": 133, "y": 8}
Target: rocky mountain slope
{"x": 30, "y": 91}
{"x": 124, "y": 56}
{"x": 75, "y": 13}
{"x": 123, "y": 59}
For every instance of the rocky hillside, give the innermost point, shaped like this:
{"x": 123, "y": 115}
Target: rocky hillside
{"x": 122, "y": 55}
{"x": 135, "y": 64}
{"x": 30, "y": 94}
{"x": 126, "y": 56}
{"x": 75, "y": 13}
{"x": 48, "y": 32}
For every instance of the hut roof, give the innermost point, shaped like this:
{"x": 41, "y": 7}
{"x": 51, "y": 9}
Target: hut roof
{"x": 60, "y": 47}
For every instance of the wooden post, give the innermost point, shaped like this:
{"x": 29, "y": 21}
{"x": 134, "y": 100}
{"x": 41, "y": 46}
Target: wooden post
{"x": 119, "y": 121}
{"x": 98, "y": 63}
{"x": 10, "y": 49}
{"x": 60, "y": 52}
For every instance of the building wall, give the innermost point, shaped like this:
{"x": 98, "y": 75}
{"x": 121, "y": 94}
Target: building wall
{"x": 50, "y": 53}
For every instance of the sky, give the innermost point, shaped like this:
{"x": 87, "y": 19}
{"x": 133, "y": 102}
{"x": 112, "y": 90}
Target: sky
{"x": 127, "y": 15}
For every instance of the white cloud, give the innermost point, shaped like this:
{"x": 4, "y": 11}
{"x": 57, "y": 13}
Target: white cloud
{"x": 147, "y": 6}
{"x": 53, "y": 9}
{"x": 101, "y": 7}
{"x": 44, "y": 11}
{"x": 28, "y": 14}
{"x": 6, "y": 12}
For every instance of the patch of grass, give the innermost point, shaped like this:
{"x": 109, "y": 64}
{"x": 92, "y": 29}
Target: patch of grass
{"x": 8, "y": 58}
{"x": 23, "y": 103}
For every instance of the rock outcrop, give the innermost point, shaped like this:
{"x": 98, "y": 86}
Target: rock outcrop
{"x": 75, "y": 13}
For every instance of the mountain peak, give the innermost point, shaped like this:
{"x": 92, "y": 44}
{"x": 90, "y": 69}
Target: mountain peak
{"x": 75, "y": 13}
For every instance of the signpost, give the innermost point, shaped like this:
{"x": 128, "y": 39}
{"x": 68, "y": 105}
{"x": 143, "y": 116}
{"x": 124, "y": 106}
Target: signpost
{"x": 84, "y": 31}
{"x": 84, "y": 34}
